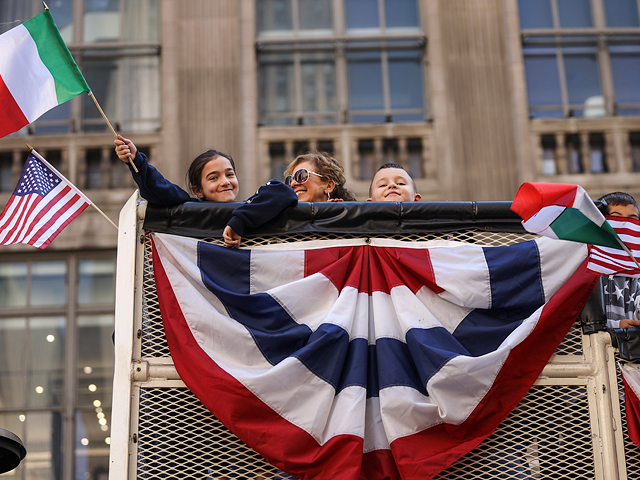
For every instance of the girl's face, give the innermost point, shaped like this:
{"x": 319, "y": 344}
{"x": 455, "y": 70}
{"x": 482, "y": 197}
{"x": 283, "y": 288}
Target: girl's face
{"x": 218, "y": 182}
{"x": 314, "y": 189}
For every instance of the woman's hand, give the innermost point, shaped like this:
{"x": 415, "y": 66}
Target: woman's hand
{"x": 231, "y": 238}
{"x": 125, "y": 149}
{"x": 626, "y": 323}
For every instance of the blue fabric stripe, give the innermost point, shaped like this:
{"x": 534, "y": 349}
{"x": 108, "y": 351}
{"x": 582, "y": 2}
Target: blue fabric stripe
{"x": 328, "y": 353}
{"x": 515, "y": 275}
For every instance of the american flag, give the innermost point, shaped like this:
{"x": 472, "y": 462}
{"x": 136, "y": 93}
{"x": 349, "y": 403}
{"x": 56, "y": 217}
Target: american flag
{"x": 614, "y": 261}
{"x": 41, "y": 206}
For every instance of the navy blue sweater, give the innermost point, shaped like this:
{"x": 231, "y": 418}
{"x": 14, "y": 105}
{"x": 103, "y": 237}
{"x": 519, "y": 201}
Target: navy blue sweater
{"x": 270, "y": 199}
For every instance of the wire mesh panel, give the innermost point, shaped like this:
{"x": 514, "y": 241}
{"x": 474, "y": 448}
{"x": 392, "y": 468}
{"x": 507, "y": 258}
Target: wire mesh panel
{"x": 180, "y": 439}
{"x": 548, "y": 435}
{"x": 631, "y": 451}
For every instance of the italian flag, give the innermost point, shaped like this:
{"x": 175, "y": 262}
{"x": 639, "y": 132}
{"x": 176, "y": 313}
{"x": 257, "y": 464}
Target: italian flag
{"x": 563, "y": 212}
{"x": 37, "y": 72}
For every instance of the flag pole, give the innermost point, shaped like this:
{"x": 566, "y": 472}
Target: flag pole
{"x": 33, "y": 150}
{"x": 45, "y": 5}
{"x": 109, "y": 123}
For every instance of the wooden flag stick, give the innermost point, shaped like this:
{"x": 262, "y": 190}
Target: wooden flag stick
{"x": 45, "y": 6}
{"x": 33, "y": 150}
{"x": 109, "y": 123}
{"x": 626, "y": 249}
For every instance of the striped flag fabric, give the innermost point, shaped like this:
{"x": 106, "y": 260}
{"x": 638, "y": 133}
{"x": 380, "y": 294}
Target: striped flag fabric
{"x": 613, "y": 261}
{"x": 41, "y": 206}
{"x": 631, "y": 380}
{"x": 563, "y": 211}
{"x": 365, "y": 358}
{"x": 37, "y": 72}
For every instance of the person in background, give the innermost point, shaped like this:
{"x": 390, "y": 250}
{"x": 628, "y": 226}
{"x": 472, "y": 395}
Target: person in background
{"x": 621, "y": 294}
{"x": 392, "y": 183}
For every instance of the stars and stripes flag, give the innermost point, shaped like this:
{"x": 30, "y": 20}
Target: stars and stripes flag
{"x": 614, "y": 261}
{"x": 376, "y": 358}
{"x": 41, "y": 206}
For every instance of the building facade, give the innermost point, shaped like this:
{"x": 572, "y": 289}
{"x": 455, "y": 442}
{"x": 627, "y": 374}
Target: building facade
{"x": 473, "y": 97}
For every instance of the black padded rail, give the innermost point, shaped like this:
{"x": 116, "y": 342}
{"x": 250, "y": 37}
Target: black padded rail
{"x": 204, "y": 219}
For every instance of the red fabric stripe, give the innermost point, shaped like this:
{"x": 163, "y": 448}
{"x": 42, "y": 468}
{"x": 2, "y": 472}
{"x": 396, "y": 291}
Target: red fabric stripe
{"x": 632, "y": 409}
{"x": 371, "y": 269}
{"x": 61, "y": 227}
{"x": 49, "y": 204}
{"x": 11, "y": 117}
{"x": 423, "y": 455}
{"x": 61, "y": 209}
{"x": 531, "y": 197}
{"x": 21, "y": 216}
{"x": 237, "y": 408}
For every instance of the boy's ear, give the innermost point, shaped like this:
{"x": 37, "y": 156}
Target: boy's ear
{"x": 371, "y": 200}
{"x": 417, "y": 198}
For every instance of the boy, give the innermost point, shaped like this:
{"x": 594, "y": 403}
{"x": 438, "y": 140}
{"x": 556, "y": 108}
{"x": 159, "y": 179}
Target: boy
{"x": 621, "y": 294}
{"x": 392, "y": 183}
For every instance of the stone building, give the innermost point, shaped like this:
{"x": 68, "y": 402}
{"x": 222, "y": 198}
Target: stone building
{"x": 473, "y": 97}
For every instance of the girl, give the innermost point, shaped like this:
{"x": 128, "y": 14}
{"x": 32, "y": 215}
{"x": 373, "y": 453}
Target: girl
{"x": 211, "y": 177}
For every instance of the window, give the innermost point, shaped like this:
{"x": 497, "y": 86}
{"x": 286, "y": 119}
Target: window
{"x": 578, "y": 61}
{"x": 56, "y": 322}
{"x": 116, "y": 46}
{"x": 362, "y": 63}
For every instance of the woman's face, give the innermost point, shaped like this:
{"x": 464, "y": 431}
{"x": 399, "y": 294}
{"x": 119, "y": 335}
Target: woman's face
{"x": 218, "y": 182}
{"x": 314, "y": 189}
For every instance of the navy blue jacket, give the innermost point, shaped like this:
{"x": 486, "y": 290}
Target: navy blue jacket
{"x": 270, "y": 199}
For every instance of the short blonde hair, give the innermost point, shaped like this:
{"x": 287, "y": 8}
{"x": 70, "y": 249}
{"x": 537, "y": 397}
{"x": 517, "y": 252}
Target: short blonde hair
{"x": 329, "y": 168}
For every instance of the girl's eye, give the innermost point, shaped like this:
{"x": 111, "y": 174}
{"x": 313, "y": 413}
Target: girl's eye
{"x": 213, "y": 178}
{"x": 231, "y": 174}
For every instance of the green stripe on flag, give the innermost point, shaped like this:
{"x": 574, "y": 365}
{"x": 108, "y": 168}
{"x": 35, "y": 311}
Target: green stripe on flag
{"x": 573, "y": 225}
{"x": 56, "y": 57}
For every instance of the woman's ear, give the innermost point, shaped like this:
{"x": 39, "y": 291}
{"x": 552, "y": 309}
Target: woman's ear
{"x": 331, "y": 185}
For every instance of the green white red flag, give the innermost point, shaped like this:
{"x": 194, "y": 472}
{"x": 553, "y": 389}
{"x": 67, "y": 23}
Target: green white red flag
{"x": 563, "y": 212}
{"x": 37, "y": 72}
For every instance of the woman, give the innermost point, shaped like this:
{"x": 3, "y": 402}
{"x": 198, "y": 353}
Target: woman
{"x": 314, "y": 177}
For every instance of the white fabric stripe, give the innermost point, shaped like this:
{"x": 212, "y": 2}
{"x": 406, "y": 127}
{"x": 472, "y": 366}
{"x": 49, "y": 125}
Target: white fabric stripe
{"x": 558, "y": 260}
{"x": 26, "y": 77}
{"x": 273, "y": 269}
{"x": 583, "y": 202}
{"x": 69, "y": 213}
{"x": 450, "y": 265}
{"x": 631, "y": 374}
{"x": 48, "y": 204}
{"x": 18, "y": 206}
{"x": 454, "y": 391}
{"x": 375, "y": 437}
{"x": 289, "y": 384}
{"x": 540, "y": 222}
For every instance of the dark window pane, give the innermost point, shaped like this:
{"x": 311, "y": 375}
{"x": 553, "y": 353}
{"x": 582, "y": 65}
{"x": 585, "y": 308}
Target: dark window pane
{"x": 543, "y": 82}
{"x": 548, "y": 154}
{"x": 575, "y": 13}
{"x": 625, "y": 70}
{"x": 598, "y": 155}
{"x": 46, "y": 361}
{"x": 634, "y": 142}
{"x": 621, "y": 13}
{"x": 275, "y": 83}
{"x": 315, "y": 15}
{"x": 574, "y": 154}
{"x": 6, "y": 180}
{"x": 318, "y": 82}
{"x": 414, "y": 150}
{"x": 366, "y": 159}
{"x": 102, "y": 75}
{"x": 279, "y": 161}
{"x": 364, "y": 75}
{"x": 405, "y": 79}
{"x": 13, "y": 284}
{"x": 535, "y": 14}
{"x": 95, "y": 360}
{"x": 273, "y": 16}
{"x": 13, "y": 358}
{"x": 62, "y": 12}
{"x": 101, "y": 21}
{"x": 93, "y": 173}
{"x": 361, "y": 14}
{"x": 583, "y": 77}
{"x": 401, "y": 13}
{"x": 96, "y": 279}
{"x": 48, "y": 283}
{"x": 43, "y": 440}
{"x": 53, "y": 121}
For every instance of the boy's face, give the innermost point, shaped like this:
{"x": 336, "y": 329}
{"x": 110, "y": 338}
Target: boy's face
{"x": 393, "y": 185}
{"x": 628, "y": 210}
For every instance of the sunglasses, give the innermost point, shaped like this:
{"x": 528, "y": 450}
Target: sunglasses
{"x": 300, "y": 176}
